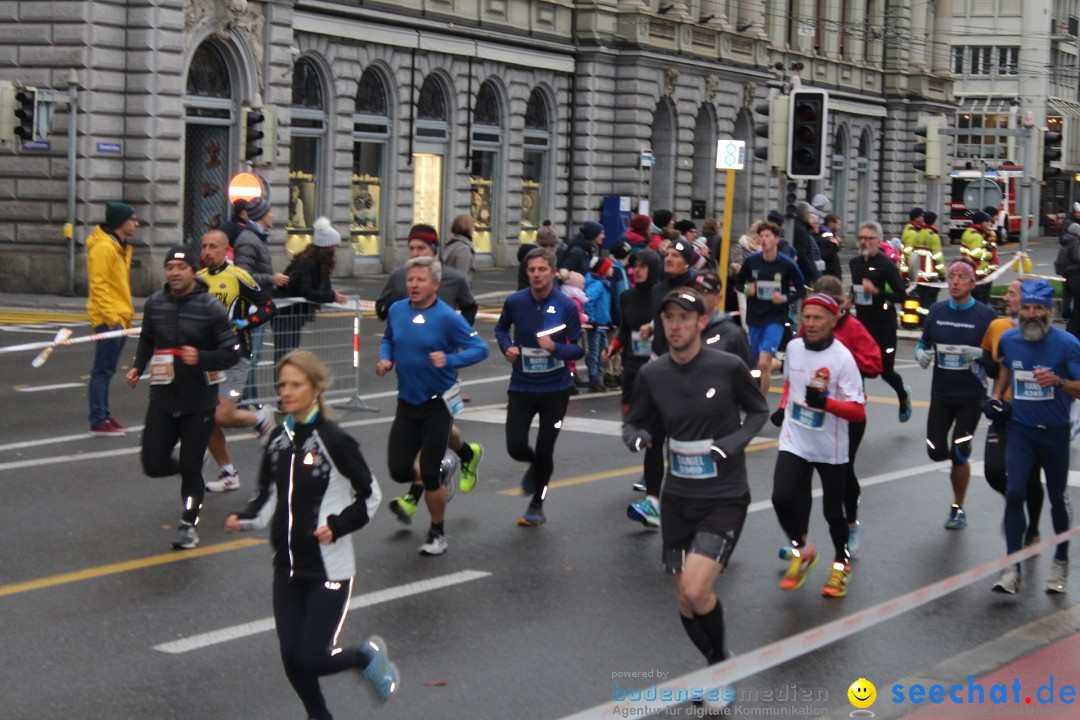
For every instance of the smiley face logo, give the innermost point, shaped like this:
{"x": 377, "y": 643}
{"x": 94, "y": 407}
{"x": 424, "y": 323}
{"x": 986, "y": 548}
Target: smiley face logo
{"x": 862, "y": 693}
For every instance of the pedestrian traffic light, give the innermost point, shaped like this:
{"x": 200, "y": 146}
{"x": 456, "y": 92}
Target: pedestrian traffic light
{"x": 7, "y": 112}
{"x": 808, "y": 114}
{"x": 1047, "y": 150}
{"x": 26, "y": 114}
{"x": 771, "y": 123}
{"x": 930, "y": 155}
{"x": 252, "y": 134}
{"x": 791, "y": 196}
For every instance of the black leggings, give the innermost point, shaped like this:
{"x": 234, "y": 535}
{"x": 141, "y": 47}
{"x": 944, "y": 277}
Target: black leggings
{"x": 163, "y": 429}
{"x": 792, "y": 499}
{"x": 962, "y": 415}
{"x": 852, "y": 491}
{"x": 309, "y": 615}
{"x": 997, "y": 478}
{"x": 423, "y": 429}
{"x": 885, "y": 337}
{"x": 521, "y": 408}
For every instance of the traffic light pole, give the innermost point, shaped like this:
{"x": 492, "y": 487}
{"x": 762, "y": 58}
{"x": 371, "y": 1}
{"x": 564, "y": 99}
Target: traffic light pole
{"x": 1025, "y": 187}
{"x": 69, "y": 230}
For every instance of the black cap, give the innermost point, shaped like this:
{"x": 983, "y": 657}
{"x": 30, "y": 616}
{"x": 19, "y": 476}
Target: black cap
{"x": 683, "y": 225}
{"x": 915, "y": 212}
{"x": 991, "y": 210}
{"x": 685, "y": 298}
{"x": 185, "y": 253}
{"x": 980, "y": 217}
{"x": 708, "y": 284}
{"x": 621, "y": 250}
{"x": 775, "y": 216}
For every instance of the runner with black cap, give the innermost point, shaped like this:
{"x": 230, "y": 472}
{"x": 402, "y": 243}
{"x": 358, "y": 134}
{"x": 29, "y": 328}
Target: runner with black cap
{"x": 699, "y": 397}
{"x": 823, "y": 392}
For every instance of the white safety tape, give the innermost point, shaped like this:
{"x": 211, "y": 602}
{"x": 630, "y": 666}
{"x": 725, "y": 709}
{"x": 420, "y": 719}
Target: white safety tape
{"x": 781, "y": 651}
{"x": 1002, "y": 269}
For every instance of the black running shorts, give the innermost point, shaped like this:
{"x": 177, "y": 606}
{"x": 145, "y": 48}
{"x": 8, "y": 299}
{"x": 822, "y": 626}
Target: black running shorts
{"x": 703, "y": 527}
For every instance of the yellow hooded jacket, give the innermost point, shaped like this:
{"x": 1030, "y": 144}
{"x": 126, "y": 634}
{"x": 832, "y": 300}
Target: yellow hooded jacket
{"x": 108, "y": 265}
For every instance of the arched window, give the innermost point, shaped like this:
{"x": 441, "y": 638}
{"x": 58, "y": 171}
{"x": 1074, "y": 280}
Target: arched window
{"x": 209, "y": 114}
{"x": 840, "y": 174}
{"x": 703, "y": 186}
{"x": 432, "y": 135}
{"x": 371, "y": 132}
{"x": 662, "y": 182}
{"x": 486, "y": 141}
{"x": 534, "y": 186}
{"x": 309, "y": 120}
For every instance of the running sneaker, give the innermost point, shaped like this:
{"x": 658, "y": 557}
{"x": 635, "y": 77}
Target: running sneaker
{"x": 644, "y": 512}
{"x": 802, "y": 563}
{"x": 186, "y": 537}
{"x": 836, "y": 585}
{"x": 1059, "y": 576}
{"x": 957, "y": 518}
{"x": 226, "y": 481}
{"x": 1009, "y": 582}
{"x": 854, "y": 537}
{"x": 380, "y": 672}
{"x": 436, "y": 544}
{"x": 264, "y": 421}
{"x": 117, "y": 424}
{"x": 106, "y": 429}
{"x": 468, "y": 470}
{"x": 527, "y": 486}
{"x": 403, "y": 508}
{"x": 905, "y": 406}
{"x": 533, "y": 516}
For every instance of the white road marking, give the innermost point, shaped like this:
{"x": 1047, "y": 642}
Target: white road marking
{"x": 44, "y": 388}
{"x": 216, "y": 637}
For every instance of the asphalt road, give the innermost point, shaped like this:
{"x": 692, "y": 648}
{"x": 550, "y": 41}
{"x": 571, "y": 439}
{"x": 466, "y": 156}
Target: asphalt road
{"x": 100, "y": 619}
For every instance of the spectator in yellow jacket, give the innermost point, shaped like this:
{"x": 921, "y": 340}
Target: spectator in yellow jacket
{"x": 979, "y": 247}
{"x": 108, "y": 265}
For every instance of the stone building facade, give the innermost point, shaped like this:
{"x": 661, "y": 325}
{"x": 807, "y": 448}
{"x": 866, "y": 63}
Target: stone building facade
{"x": 391, "y": 113}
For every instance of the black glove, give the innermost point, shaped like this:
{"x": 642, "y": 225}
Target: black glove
{"x": 815, "y": 398}
{"x": 996, "y": 411}
{"x": 777, "y": 418}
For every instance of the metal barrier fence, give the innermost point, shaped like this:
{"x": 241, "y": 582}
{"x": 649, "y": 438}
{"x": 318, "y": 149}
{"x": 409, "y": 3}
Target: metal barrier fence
{"x": 330, "y": 331}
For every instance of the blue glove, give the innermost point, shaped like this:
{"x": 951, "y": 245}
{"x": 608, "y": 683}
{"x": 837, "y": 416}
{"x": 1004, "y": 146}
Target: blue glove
{"x": 240, "y": 324}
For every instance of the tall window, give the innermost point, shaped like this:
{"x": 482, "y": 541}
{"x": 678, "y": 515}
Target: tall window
{"x": 1008, "y": 60}
{"x": 534, "y": 191}
{"x": 209, "y": 115}
{"x": 308, "y": 130}
{"x": 371, "y": 132}
{"x": 958, "y": 55}
{"x": 981, "y": 60}
{"x": 432, "y": 134}
{"x": 483, "y": 178}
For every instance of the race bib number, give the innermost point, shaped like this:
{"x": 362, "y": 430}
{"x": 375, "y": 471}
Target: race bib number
{"x": 639, "y": 347}
{"x": 860, "y": 296}
{"x": 1026, "y": 387}
{"x": 951, "y": 357}
{"x": 691, "y": 459}
{"x": 807, "y": 417}
{"x": 161, "y": 368}
{"x": 214, "y": 377}
{"x": 455, "y": 402}
{"x": 539, "y": 360}
{"x": 766, "y": 288}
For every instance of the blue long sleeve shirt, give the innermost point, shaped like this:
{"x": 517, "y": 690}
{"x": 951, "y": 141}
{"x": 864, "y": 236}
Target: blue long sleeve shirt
{"x": 537, "y": 370}
{"x": 412, "y": 335}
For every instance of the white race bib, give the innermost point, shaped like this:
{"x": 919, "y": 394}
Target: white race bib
{"x": 807, "y": 417}
{"x": 213, "y": 377}
{"x": 766, "y": 288}
{"x": 639, "y": 347}
{"x": 860, "y": 296}
{"x": 1026, "y": 387}
{"x": 691, "y": 459}
{"x": 951, "y": 357}
{"x": 455, "y": 403}
{"x": 161, "y": 368}
{"x": 539, "y": 360}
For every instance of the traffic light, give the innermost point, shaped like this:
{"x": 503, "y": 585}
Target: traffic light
{"x": 26, "y": 114}
{"x": 7, "y": 112}
{"x": 772, "y": 124}
{"x": 252, "y": 135}
{"x": 1047, "y": 150}
{"x": 930, "y": 160}
{"x": 808, "y": 114}
{"x": 791, "y": 196}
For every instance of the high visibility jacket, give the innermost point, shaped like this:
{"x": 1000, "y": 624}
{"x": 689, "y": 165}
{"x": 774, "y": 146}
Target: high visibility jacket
{"x": 907, "y": 238}
{"x": 925, "y": 260}
{"x": 981, "y": 248}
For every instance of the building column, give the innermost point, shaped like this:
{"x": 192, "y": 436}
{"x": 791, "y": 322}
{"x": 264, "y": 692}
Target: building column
{"x": 856, "y": 43}
{"x": 918, "y": 50}
{"x": 830, "y": 40}
{"x": 942, "y": 35}
{"x": 805, "y": 11}
{"x": 776, "y": 14}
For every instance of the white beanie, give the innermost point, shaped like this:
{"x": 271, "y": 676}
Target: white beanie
{"x": 1076, "y": 207}
{"x": 326, "y": 236}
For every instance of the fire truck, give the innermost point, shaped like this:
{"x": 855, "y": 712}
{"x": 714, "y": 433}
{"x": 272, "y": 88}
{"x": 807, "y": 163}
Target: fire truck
{"x": 973, "y": 190}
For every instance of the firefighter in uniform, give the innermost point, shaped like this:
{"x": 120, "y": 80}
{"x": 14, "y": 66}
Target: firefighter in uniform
{"x": 908, "y": 234}
{"x": 925, "y": 261}
{"x": 979, "y": 247}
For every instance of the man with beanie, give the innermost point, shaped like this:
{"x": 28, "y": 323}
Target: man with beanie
{"x": 638, "y": 233}
{"x": 454, "y": 287}
{"x": 185, "y": 344}
{"x": 108, "y": 266}
{"x": 584, "y": 247}
{"x": 1041, "y": 365}
{"x": 661, "y": 220}
{"x": 698, "y": 399}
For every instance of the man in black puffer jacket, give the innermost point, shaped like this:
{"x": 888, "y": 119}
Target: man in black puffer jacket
{"x": 186, "y": 340}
